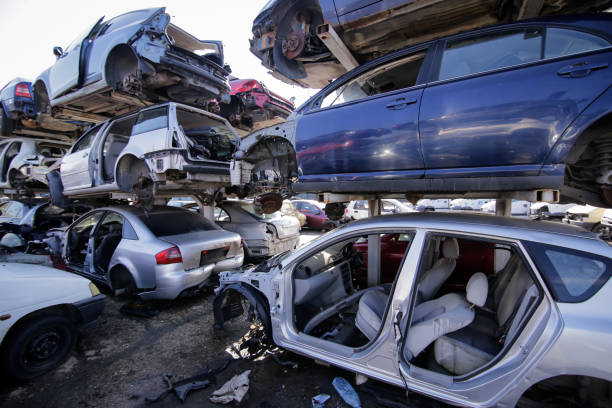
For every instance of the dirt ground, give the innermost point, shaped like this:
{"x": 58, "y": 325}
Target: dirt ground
{"x": 123, "y": 360}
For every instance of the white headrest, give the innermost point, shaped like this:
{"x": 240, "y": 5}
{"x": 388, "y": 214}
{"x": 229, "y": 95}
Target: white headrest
{"x": 477, "y": 289}
{"x": 450, "y": 248}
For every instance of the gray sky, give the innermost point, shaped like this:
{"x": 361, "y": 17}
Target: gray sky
{"x": 31, "y": 28}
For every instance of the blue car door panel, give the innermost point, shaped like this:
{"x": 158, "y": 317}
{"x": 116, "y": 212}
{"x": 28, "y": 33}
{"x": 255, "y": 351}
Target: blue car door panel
{"x": 503, "y": 101}
{"x": 366, "y": 128}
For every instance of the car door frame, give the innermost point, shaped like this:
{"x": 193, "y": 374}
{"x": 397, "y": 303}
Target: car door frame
{"x": 87, "y": 269}
{"x": 367, "y": 359}
{"x": 490, "y": 383}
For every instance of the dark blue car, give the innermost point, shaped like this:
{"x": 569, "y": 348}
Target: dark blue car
{"x": 311, "y": 42}
{"x": 17, "y": 104}
{"x": 18, "y": 114}
{"x": 517, "y": 107}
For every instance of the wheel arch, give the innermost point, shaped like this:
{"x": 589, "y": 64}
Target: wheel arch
{"x": 256, "y": 298}
{"x": 121, "y": 60}
{"x": 273, "y": 150}
{"x": 118, "y": 276}
{"x": 42, "y": 100}
{"x": 584, "y": 385}
{"x": 123, "y": 166}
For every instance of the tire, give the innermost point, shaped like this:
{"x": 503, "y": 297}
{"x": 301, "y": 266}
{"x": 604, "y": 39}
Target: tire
{"x": 38, "y": 346}
{"x": 16, "y": 179}
{"x": 7, "y": 125}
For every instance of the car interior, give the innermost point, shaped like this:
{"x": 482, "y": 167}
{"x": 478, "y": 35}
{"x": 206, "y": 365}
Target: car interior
{"x": 472, "y": 298}
{"x": 105, "y": 240}
{"x": 328, "y": 287}
{"x": 208, "y": 138}
{"x": 116, "y": 140}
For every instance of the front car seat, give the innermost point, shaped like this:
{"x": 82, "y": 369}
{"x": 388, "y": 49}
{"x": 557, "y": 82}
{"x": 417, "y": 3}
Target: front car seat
{"x": 433, "y": 278}
{"x": 435, "y": 318}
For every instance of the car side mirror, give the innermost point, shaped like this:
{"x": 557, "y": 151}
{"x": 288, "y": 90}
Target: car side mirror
{"x": 58, "y": 51}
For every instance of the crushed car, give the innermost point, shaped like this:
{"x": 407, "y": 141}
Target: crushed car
{"x": 264, "y": 235}
{"x": 253, "y": 106}
{"x": 427, "y": 120}
{"x": 18, "y": 115}
{"x": 24, "y": 162}
{"x": 41, "y": 311}
{"x": 167, "y": 147}
{"x": 127, "y": 62}
{"x": 161, "y": 253}
{"x": 477, "y": 310}
{"x": 311, "y": 42}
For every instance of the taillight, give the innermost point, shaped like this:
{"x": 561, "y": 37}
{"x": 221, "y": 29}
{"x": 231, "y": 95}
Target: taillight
{"x": 169, "y": 256}
{"x": 23, "y": 89}
{"x": 241, "y": 242}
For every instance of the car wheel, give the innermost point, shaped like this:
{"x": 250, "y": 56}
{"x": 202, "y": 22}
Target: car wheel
{"x": 38, "y": 345}
{"x": 7, "y": 125}
{"x": 16, "y": 178}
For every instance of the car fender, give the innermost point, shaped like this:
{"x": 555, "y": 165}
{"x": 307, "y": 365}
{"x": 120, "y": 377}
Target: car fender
{"x": 128, "y": 264}
{"x": 256, "y": 298}
{"x": 599, "y": 108}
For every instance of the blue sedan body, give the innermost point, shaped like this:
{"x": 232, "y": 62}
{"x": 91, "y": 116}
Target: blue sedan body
{"x": 16, "y": 104}
{"x": 476, "y": 117}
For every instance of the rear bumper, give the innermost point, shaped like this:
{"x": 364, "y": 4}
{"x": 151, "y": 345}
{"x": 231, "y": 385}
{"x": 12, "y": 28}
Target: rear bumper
{"x": 172, "y": 279}
{"x": 90, "y": 309}
{"x": 230, "y": 263}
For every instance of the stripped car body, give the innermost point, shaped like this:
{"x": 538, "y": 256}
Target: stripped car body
{"x": 311, "y": 42}
{"x": 253, "y": 106}
{"x": 130, "y": 61}
{"x": 24, "y": 162}
{"x": 426, "y": 121}
{"x": 139, "y": 251}
{"x": 263, "y": 235}
{"x": 166, "y": 147}
{"x": 413, "y": 334}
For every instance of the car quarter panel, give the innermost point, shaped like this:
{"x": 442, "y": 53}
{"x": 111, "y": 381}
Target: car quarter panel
{"x": 505, "y": 121}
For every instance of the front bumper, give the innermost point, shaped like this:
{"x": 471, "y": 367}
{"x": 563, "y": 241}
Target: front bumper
{"x": 90, "y": 309}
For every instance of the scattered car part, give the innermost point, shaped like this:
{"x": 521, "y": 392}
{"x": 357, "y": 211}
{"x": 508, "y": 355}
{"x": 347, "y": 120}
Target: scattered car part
{"x": 38, "y": 331}
{"x": 318, "y": 401}
{"x": 233, "y": 390}
{"x": 346, "y": 392}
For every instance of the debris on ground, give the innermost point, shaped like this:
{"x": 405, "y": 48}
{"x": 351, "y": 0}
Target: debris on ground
{"x": 233, "y": 390}
{"x": 139, "y": 308}
{"x": 181, "y": 388}
{"x": 347, "y": 392}
{"x": 318, "y": 401}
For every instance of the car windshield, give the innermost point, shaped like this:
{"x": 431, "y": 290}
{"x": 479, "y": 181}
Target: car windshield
{"x": 79, "y": 39}
{"x": 181, "y": 223}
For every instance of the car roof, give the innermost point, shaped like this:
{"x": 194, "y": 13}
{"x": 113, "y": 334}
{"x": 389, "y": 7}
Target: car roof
{"x": 510, "y": 227}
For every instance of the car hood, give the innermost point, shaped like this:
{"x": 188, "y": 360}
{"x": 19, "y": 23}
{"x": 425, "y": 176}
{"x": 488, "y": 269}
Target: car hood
{"x": 28, "y": 284}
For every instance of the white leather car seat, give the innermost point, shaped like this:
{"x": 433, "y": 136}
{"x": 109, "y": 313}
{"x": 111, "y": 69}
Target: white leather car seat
{"x": 433, "y": 278}
{"x": 464, "y": 351}
{"x": 435, "y": 318}
{"x": 370, "y": 312}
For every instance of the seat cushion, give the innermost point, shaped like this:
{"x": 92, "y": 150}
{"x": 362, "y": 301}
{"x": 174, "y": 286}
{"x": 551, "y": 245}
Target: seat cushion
{"x": 370, "y": 312}
{"x": 459, "y": 357}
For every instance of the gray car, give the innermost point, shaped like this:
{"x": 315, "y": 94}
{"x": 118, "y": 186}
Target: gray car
{"x": 472, "y": 310}
{"x": 24, "y": 162}
{"x": 175, "y": 146}
{"x": 114, "y": 65}
{"x": 264, "y": 235}
{"x": 162, "y": 253}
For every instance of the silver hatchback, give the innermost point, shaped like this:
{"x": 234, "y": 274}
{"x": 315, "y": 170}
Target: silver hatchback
{"x": 473, "y": 310}
{"x": 157, "y": 254}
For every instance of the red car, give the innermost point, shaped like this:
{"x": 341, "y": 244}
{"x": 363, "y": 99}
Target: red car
{"x": 253, "y": 106}
{"x": 315, "y": 215}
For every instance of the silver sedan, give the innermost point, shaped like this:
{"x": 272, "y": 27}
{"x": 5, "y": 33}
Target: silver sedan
{"x": 473, "y": 310}
{"x": 157, "y": 254}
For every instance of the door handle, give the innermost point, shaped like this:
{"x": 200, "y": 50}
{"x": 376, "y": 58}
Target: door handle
{"x": 580, "y": 69}
{"x": 85, "y": 155}
{"x": 400, "y": 103}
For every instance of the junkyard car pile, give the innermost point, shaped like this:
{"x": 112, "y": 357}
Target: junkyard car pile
{"x": 137, "y": 162}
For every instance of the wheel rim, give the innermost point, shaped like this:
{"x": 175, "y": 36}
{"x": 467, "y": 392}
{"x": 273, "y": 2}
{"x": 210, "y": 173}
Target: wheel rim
{"x": 43, "y": 347}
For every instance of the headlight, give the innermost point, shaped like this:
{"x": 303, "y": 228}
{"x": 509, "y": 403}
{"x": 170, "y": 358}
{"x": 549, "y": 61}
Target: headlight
{"x": 93, "y": 289}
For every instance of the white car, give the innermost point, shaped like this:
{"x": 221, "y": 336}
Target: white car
{"x": 427, "y": 204}
{"x": 585, "y": 216}
{"x": 519, "y": 207}
{"x": 25, "y": 162}
{"x": 468, "y": 204}
{"x": 547, "y": 210}
{"x": 40, "y": 311}
{"x": 357, "y": 210}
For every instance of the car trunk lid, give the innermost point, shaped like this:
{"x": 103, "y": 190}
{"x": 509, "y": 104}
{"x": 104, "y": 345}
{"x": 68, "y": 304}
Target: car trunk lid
{"x": 205, "y": 247}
